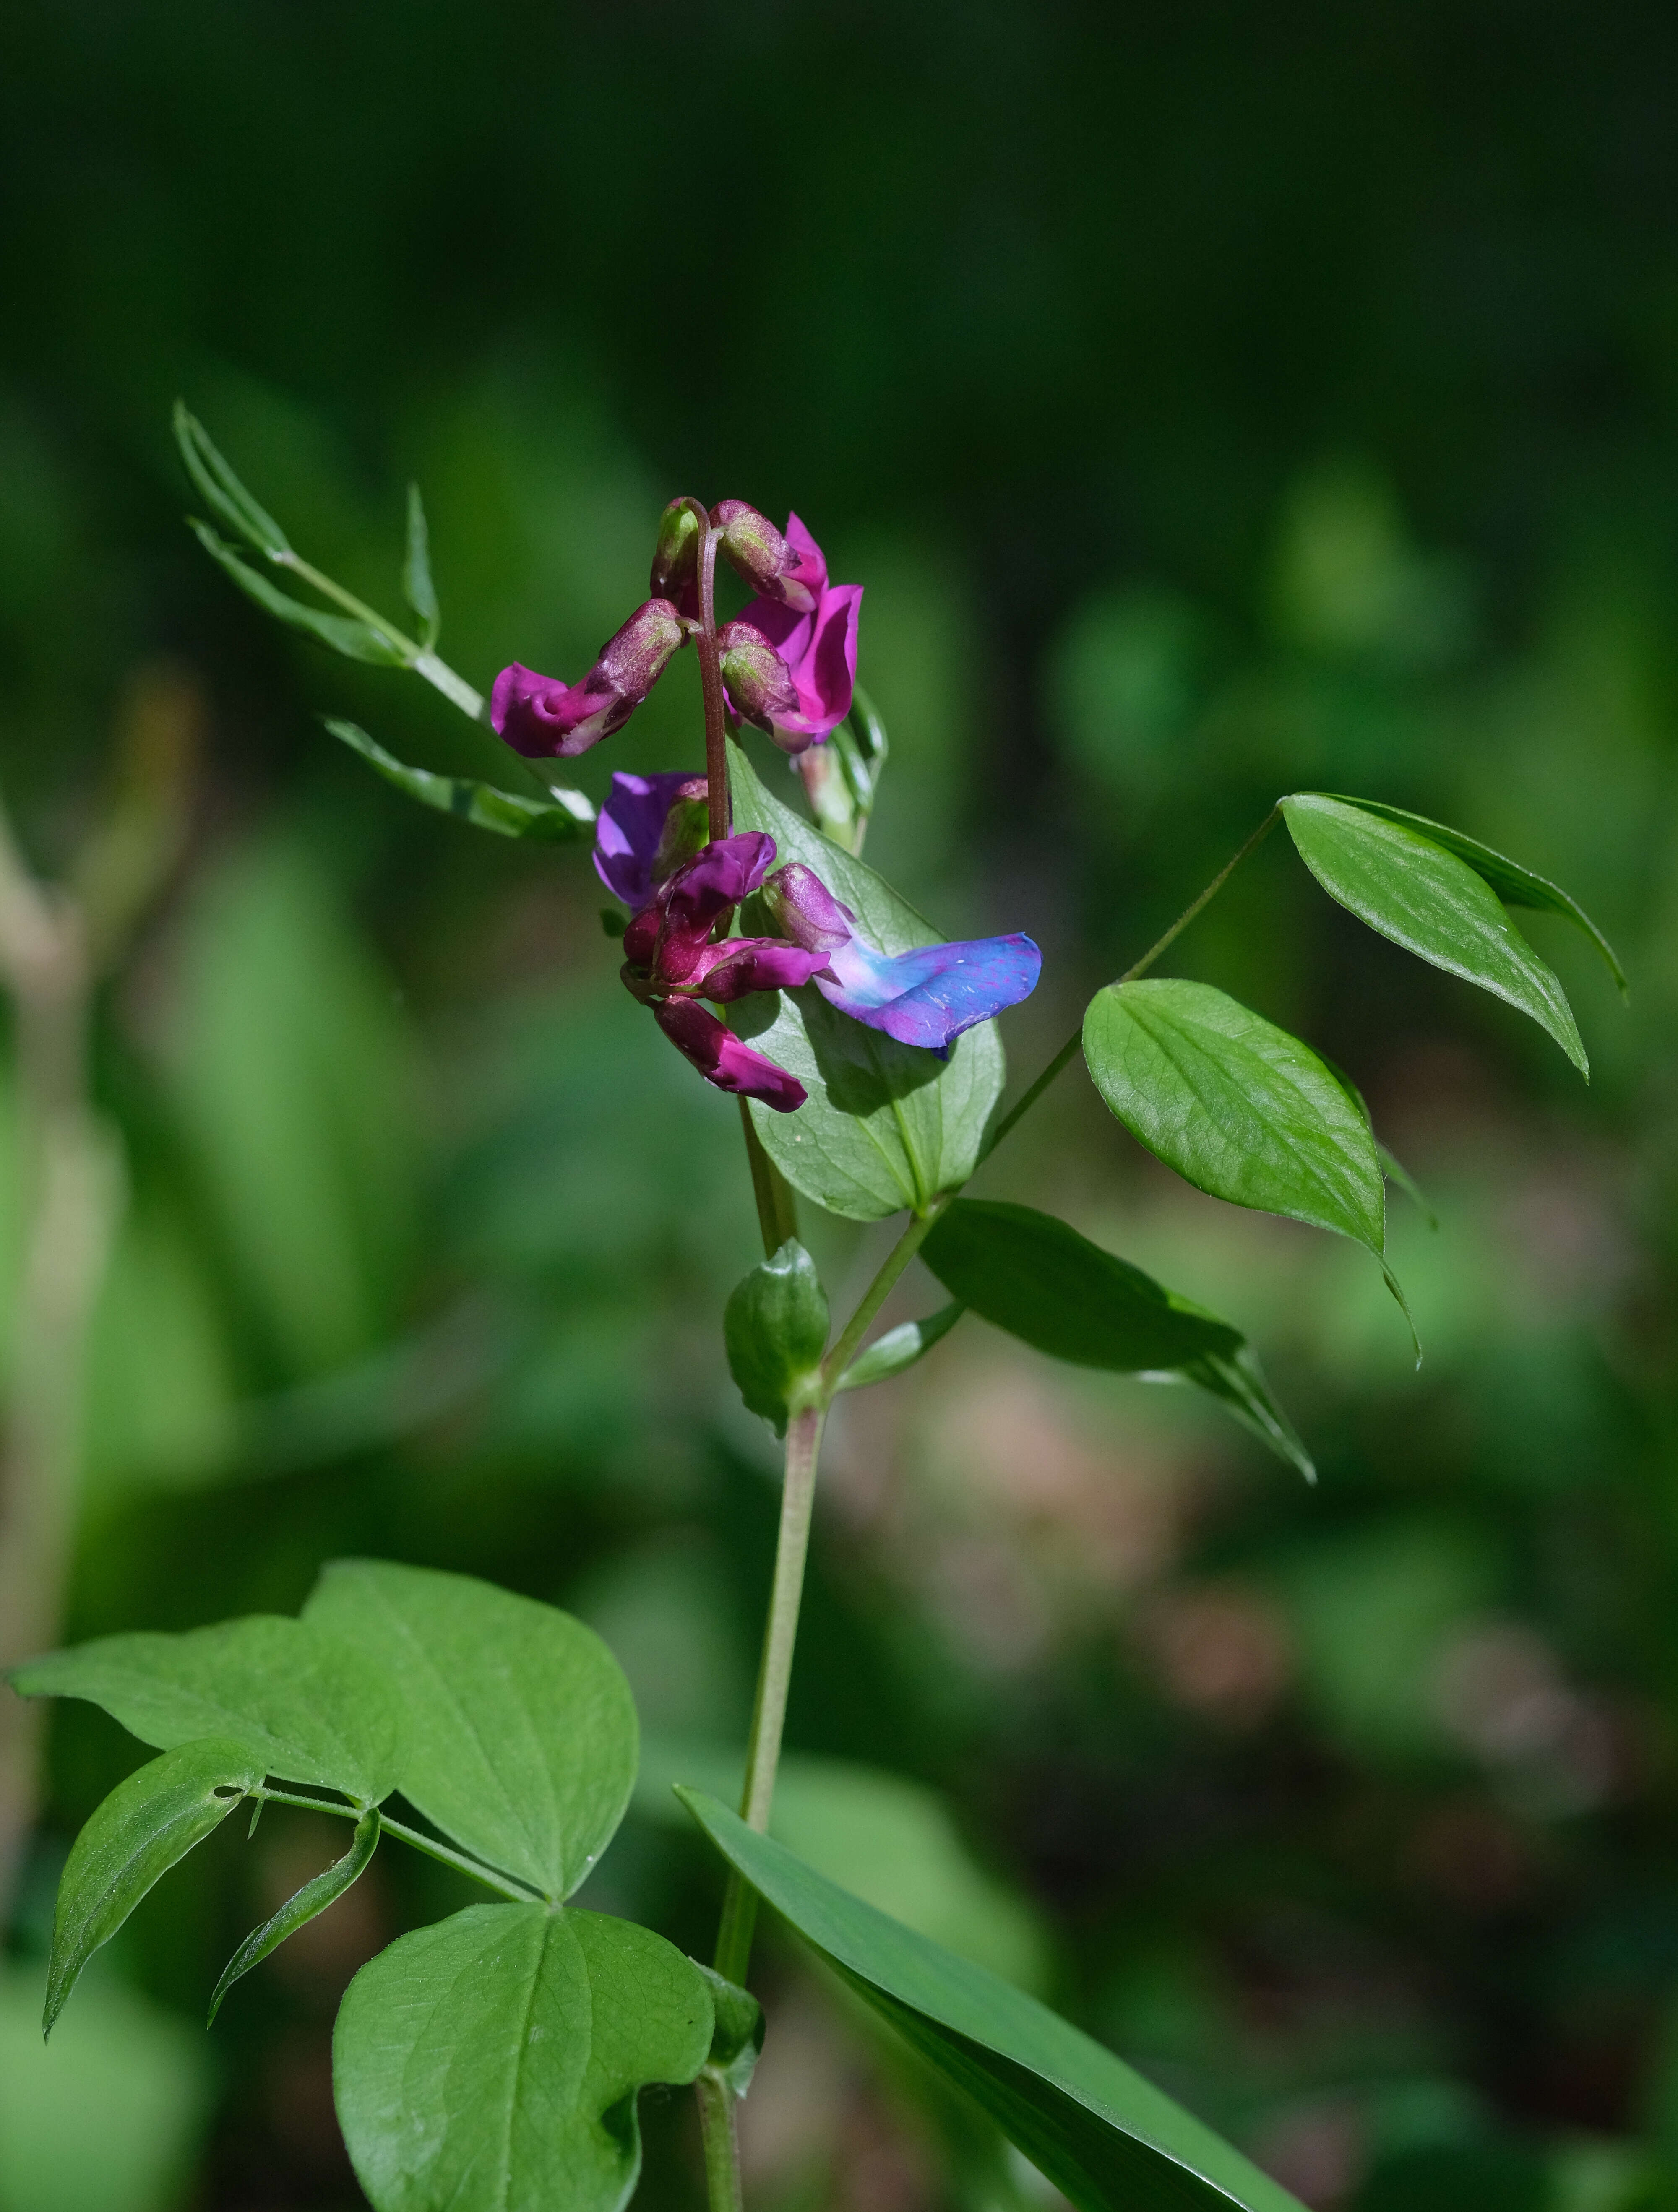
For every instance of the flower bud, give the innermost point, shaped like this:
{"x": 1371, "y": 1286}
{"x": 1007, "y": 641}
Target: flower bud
{"x": 687, "y": 826}
{"x": 634, "y": 658}
{"x": 751, "y": 545}
{"x": 675, "y": 557}
{"x": 759, "y": 683}
{"x": 805, "y": 910}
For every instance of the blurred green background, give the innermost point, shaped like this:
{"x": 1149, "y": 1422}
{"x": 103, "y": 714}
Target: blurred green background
{"x": 1213, "y": 403}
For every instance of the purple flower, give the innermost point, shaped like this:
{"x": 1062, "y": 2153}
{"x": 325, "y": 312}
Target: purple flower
{"x": 925, "y": 997}
{"x": 810, "y": 626}
{"x": 792, "y": 569}
{"x": 725, "y": 1059}
{"x": 647, "y": 827}
{"x": 543, "y": 719}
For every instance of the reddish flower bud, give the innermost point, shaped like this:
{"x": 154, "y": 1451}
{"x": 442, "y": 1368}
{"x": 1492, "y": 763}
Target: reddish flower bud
{"x": 759, "y": 683}
{"x": 807, "y": 910}
{"x": 542, "y": 718}
{"x": 724, "y": 1058}
{"x": 790, "y": 569}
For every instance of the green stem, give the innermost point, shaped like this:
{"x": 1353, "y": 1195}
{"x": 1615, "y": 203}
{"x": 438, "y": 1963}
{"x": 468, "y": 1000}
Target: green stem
{"x": 1069, "y": 1050}
{"x": 877, "y": 1291}
{"x": 718, "y": 2128}
{"x": 432, "y": 1849}
{"x": 777, "y": 1208}
{"x": 424, "y": 662}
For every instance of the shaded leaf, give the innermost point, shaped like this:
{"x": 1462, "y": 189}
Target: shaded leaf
{"x": 309, "y": 1903}
{"x": 221, "y": 488}
{"x": 1236, "y": 1106}
{"x": 492, "y": 2063}
{"x": 1238, "y": 1378}
{"x": 775, "y": 1328}
{"x": 418, "y": 587}
{"x": 522, "y": 1738}
{"x": 1514, "y": 884}
{"x": 147, "y": 1825}
{"x": 886, "y": 1126}
{"x": 1100, "y": 2132}
{"x": 306, "y": 1704}
{"x": 561, "y": 820}
{"x": 899, "y": 1348}
{"x": 1431, "y": 901}
{"x": 737, "y": 2039}
{"x": 345, "y": 634}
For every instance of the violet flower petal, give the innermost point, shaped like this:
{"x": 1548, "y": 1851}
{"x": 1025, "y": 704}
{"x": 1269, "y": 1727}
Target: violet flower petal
{"x": 929, "y": 996}
{"x": 626, "y": 836}
{"x": 820, "y": 649}
{"x": 545, "y": 719}
{"x": 725, "y": 1059}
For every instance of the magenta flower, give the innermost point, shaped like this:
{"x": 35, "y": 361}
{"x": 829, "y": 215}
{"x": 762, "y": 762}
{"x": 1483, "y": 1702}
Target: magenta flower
{"x": 811, "y": 625}
{"x": 543, "y": 719}
{"x": 792, "y": 569}
{"x": 725, "y": 1059}
{"x": 924, "y": 997}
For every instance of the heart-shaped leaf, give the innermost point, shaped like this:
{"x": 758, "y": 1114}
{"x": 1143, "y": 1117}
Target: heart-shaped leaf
{"x": 559, "y": 820}
{"x": 1101, "y": 2133}
{"x": 306, "y": 1706}
{"x": 1236, "y": 1106}
{"x": 492, "y": 2063}
{"x": 1034, "y": 1276}
{"x": 146, "y": 1825}
{"x": 886, "y": 1125}
{"x": 522, "y": 1739}
{"x": 1514, "y": 884}
{"x": 308, "y": 1904}
{"x": 1410, "y": 889}
{"x": 775, "y": 1327}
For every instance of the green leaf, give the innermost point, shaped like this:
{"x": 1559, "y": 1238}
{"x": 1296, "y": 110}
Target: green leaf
{"x": 886, "y": 1125}
{"x": 1427, "y": 899}
{"x": 521, "y": 1729}
{"x": 567, "y": 817}
{"x": 898, "y": 1348}
{"x": 1395, "y": 1172}
{"x": 737, "y": 2040}
{"x": 1101, "y": 2133}
{"x": 147, "y": 1825}
{"x": 418, "y": 587}
{"x": 492, "y": 2062}
{"x": 221, "y": 488}
{"x": 309, "y": 1903}
{"x": 1030, "y": 1274}
{"x": 345, "y": 634}
{"x": 1236, "y": 1106}
{"x": 775, "y": 1328}
{"x": 302, "y": 1702}
{"x": 1514, "y": 884}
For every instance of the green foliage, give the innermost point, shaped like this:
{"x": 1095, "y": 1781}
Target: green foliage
{"x": 1433, "y": 903}
{"x": 491, "y": 2063}
{"x": 220, "y": 488}
{"x": 300, "y": 1700}
{"x": 886, "y": 1125}
{"x": 418, "y": 587}
{"x": 560, "y": 821}
{"x": 146, "y": 1825}
{"x": 737, "y": 2034}
{"x": 899, "y": 1348}
{"x": 1101, "y": 2133}
{"x": 343, "y": 633}
{"x": 308, "y": 1904}
{"x": 522, "y": 1730}
{"x": 775, "y": 1328}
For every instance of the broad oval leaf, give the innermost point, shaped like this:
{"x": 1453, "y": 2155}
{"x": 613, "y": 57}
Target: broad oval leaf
{"x": 308, "y": 1706}
{"x": 308, "y": 1904}
{"x": 492, "y": 2062}
{"x": 1514, "y": 884}
{"x": 1410, "y": 889}
{"x": 1036, "y": 1277}
{"x": 886, "y": 1125}
{"x": 774, "y": 1329}
{"x": 147, "y": 1825}
{"x": 561, "y": 820}
{"x": 1236, "y": 1106}
{"x": 1101, "y": 2133}
{"x": 345, "y": 634}
{"x": 522, "y": 1737}
{"x": 899, "y": 1348}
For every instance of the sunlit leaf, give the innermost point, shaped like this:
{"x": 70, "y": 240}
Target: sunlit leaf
{"x": 561, "y": 820}
{"x": 1433, "y": 903}
{"x": 1514, "y": 884}
{"x": 147, "y": 1825}
{"x": 899, "y": 1348}
{"x": 308, "y": 1904}
{"x": 492, "y": 2063}
{"x": 1101, "y": 2133}
{"x": 886, "y": 1125}
{"x": 522, "y": 1737}
{"x": 418, "y": 587}
{"x": 775, "y": 1328}
{"x": 302, "y": 1702}
{"x": 1236, "y": 1106}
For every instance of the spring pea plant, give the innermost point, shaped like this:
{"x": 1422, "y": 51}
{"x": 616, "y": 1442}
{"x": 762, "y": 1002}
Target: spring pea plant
{"x": 493, "y": 2062}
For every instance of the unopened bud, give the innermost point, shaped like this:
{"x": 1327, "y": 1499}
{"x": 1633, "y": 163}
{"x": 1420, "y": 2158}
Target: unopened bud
{"x": 675, "y": 556}
{"x": 632, "y": 661}
{"x": 805, "y": 910}
{"x": 751, "y": 545}
{"x": 686, "y": 827}
{"x": 759, "y": 683}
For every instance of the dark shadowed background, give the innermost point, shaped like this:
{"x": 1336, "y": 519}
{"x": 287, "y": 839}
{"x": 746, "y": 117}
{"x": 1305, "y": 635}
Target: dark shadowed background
{"x": 1213, "y": 402}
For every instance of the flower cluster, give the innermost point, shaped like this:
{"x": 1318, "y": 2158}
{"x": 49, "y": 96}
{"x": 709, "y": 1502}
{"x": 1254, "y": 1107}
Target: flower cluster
{"x": 787, "y": 664}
